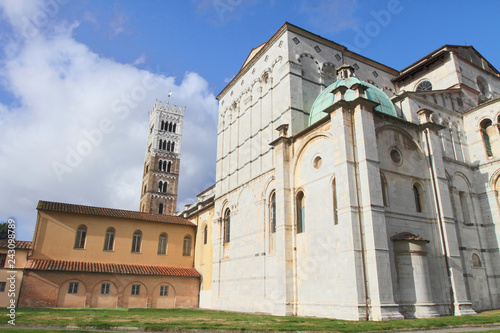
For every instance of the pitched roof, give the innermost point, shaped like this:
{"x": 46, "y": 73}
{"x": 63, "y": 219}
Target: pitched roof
{"x": 110, "y": 212}
{"x": 25, "y": 245}
{"x": 407, "y": 236}
{"x": 98, "y": 267}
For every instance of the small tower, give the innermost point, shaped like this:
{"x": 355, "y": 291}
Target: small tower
{"x": 162, "y": 162}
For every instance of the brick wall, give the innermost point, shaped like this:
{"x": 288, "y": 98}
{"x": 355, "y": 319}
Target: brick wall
{"x": 49, "y": 289}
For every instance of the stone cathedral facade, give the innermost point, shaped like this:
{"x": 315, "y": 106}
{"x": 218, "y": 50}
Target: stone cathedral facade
{"x": 161, "y": 167}
{"x": 348, "y": 189}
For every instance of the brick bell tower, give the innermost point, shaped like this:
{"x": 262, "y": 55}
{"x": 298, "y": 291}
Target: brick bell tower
{"x": 161, "y": 166}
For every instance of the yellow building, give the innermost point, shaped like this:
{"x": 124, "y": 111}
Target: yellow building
{"x": 202, "y": 213}
{"x": 100, "y": 257}
{"x": 13, "y": 258}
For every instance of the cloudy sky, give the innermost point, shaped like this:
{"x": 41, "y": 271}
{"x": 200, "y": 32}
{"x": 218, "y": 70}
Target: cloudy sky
{"x": 77, "y": 79}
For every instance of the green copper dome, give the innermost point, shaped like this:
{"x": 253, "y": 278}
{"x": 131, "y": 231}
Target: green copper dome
{"x": 326, "y": 98}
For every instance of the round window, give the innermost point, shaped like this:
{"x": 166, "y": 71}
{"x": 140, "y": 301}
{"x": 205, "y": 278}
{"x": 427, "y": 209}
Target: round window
{"x": 396, "y": 156}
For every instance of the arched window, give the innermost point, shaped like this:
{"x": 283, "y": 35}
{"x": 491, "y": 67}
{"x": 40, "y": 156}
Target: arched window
{"x": 162, "y": 243}
{"x": 160, "y": 164}
{"x": 424, "y": 86}
{"x": 160, "y": 209}
{"x": 334, "y": 199}
{"x": 272, "y": 212}
{"x": 162, "y": 125}
{"x": 300, "y": 206}
{"x": 109, "y": 240}
{"x": 81, "y": 235}
{"x": 483, "y": 86}
{"x": 205, "y": 234}
{"x": 172, "y": 147}
{"x": 160, "y": 144}
{"x": 186, "y": 248}
{"x": 385, "y": 190}
{"x": 160, "y": 186}
{"x": 136, "y": 241}
{"x": 486, "y": 129}
{"x": 227, "y": 226}
{"x": 165, "y": 187}
{"x": 476, "y": 261}
{"x": 164, "y": 144}
{"x": 173, "y": 129}
{"x": 417, "y": 194}
{"x": 145, "y": 188}
{"x": 169, "y": 166}
{"x": 170, "y": 127}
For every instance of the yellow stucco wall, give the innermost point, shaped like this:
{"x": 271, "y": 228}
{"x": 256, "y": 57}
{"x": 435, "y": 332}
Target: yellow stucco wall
{"x": 55, "y": 238}
{"x": 203, "y": 257}
{"x": 6, "y": 273}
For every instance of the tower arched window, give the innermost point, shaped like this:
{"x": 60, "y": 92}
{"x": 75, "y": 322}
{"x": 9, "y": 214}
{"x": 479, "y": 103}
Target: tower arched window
{"x": 227, "y": 226}
{"x": 165, "y": 187}
{"x": 162, "y": 243}
{"x": 160, "y": 164}
{"x": 169, "y": 165}
{"x": 136, "y": 241}
{"x": 300, "y": 208}
{"x": 173, "y": 129}
{"x": 186, "y": 248}
{"x": 272, "y": 212}
{"x": 162, "y": 125}
{"x": 160, "y": 209}
{"x": 168, "y": 146}
{"x": 164, "y": 144}
{"x": 170, "y": 127}
{"x": 160, "y": 186}
{"x": 160, "y": 144}
{"x": 81, "y": 236}
{"x": 172, "y": 147}
{"x": 145, "y": 188}
{"x": 109, "y": 240}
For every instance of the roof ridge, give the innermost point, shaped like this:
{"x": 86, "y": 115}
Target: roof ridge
{"x": 110, "y": 212}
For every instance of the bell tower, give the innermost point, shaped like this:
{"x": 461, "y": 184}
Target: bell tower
{"x": 161, "y": 166}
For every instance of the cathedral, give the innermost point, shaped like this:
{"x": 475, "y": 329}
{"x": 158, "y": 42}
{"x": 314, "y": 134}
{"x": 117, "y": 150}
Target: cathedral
{"x": 348, "y": 189}
{"x": 344, "y": 189}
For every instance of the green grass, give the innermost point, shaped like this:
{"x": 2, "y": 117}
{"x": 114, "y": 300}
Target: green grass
{"x": 161, "y": 319}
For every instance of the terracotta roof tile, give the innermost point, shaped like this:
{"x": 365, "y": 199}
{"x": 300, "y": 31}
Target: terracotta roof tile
{"x": 407, "y": 236}
{"x": 25, "y": 245}
{"x": 96, "y": 267}
{"x": 110, "y": 212}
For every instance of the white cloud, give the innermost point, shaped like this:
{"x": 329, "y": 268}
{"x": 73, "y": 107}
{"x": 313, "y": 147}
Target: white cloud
{"x": 77, "y": 129}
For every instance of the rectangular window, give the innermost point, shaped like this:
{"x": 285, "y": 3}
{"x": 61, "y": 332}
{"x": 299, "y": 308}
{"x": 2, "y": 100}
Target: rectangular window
{"x": 163, "y": 290}
{"x": 105, "y": 288}
{"x": 73, "y": 288}
{"x": 136, "y": 290}
{"x": 3, "y": 258}
{"x": 2, "y": 286}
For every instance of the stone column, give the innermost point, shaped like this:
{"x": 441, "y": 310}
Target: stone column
{"x": 284, "y": 295}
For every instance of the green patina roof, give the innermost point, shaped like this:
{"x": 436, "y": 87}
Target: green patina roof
{"x": 326, "y": 98}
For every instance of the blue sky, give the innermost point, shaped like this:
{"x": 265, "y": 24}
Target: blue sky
{"x": 66, "y": 67}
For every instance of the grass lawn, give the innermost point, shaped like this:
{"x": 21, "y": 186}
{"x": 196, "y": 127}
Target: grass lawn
{"x": 160, "y": 319}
